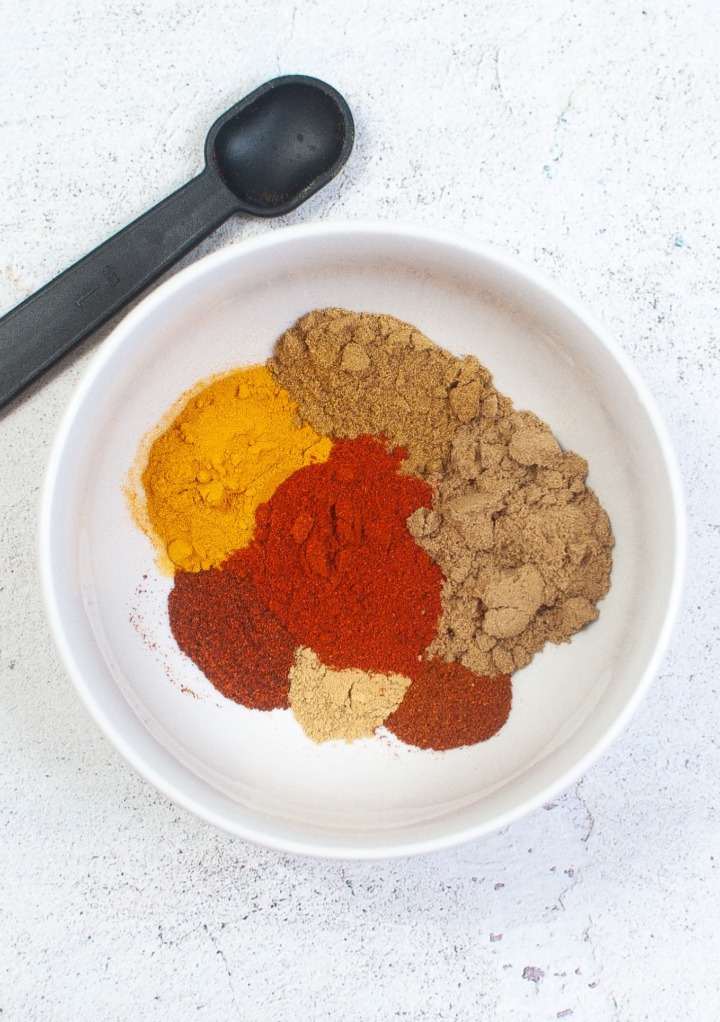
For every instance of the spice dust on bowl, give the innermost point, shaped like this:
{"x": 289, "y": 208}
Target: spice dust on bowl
{"x": 351, "y": 581}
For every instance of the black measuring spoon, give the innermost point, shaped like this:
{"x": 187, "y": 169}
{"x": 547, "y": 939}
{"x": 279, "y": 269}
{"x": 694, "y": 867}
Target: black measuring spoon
{"x": 264, "y": 156}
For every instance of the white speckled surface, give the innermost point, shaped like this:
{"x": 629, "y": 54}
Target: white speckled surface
{"x": 582, "y": 136}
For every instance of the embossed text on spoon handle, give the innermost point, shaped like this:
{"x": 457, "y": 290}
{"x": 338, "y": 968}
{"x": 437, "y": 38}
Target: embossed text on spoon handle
{"x": 45, "y": 326}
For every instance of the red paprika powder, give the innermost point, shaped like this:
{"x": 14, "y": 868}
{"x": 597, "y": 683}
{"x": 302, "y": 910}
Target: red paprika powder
{"x": 221, "y": 624}
{"x": 448, "y": 706}
{"x": 333, "y": 560}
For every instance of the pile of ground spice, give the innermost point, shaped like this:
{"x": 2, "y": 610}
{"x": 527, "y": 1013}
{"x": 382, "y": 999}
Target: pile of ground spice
{"x": 355, "y": 372}
{"x": 523, "y": 543}
{"x": 225, "y": 452}
{"x": 341, "y": 705}
{"x": 220, "y": 622}
{"x": 447, "y": 705}
{"x": 336, "y": 565}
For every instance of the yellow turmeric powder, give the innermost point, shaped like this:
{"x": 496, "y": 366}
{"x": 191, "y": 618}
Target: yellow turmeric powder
{"x": 226, "y": 452}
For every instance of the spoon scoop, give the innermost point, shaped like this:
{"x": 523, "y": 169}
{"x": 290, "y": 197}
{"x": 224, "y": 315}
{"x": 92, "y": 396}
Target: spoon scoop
{"x": 264, "y": 156}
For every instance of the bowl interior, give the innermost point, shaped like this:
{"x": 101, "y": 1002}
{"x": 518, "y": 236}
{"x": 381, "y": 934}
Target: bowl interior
{"x": 256, "y": 774}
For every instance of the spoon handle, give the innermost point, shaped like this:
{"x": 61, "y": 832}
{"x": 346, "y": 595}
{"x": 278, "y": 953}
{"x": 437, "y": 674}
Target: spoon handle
{"x": 50, "y": 322}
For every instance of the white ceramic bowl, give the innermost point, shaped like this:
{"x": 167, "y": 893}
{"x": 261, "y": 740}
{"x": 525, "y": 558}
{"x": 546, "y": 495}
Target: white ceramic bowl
{"x": 255, "y": 774}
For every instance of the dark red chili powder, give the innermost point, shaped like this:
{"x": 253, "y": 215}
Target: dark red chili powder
{"x": 219, "y": 622}
{"x": 448, "y": 706}
{"x": 333, "y": 560}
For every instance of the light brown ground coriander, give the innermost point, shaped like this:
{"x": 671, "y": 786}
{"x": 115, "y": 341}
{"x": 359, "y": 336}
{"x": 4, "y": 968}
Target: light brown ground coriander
{"x": 343, "y": 705}
{"x": 355, "y": 372}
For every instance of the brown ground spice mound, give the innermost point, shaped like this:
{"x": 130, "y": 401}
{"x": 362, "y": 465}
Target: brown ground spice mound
{"x": 524, "y": 545}
{"x": 355, "y": 372}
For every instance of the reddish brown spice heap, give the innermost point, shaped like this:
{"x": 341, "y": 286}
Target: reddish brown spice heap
{"x": 219, "y": 622}
{"x": 335, "y": 563}
{"x": 448, "y": 706}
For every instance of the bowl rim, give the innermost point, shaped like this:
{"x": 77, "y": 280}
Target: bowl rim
{"x": 521, "y": 270}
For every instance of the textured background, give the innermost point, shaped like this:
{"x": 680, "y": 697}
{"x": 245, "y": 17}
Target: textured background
{"x": 582, "y": 136}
